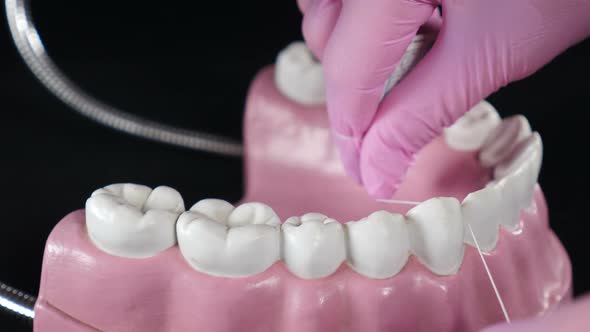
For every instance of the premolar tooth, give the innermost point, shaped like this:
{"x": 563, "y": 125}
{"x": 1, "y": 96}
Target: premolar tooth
{"x": 470, "y": 131}
{"x": 299, "y": 76}
{"x": 436, "y": 234}
{"x": 502, "y": 141}
{"x": 130, "y": 220}
{"x": 379, "y": 244}
{"x": 239, "y": 249}
{"x": 313, "y": 245}
{"x": 480, "y": 210}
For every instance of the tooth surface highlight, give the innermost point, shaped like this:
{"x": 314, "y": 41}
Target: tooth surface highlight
{"x": 470, "y": 131}
{"x": 516, "y": 179}
{"x": 480, "y": 210}
{"x": 134, "y": 221}
{"x": 379, "y": 245}
{"x": 528, "y": 151}
{"x": 502, "y": 141}
{"x": 253, "y": 213}
{"x": 436, "y": 234}
{"x": 215, "y": 209}
{"x": 218, "y": 248}
{"x": 313, "y": 245}
{"x": 299, "y": 76}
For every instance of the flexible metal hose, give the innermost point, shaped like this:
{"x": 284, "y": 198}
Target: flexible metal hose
{"x": 29, "y": 45}
{"x": 16, "y": 302}
{"x": 31, "y": 48}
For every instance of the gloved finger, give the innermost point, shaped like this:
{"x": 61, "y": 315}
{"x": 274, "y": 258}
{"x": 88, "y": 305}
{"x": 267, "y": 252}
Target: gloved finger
{"x": 571, "y": 318}
{"x": 303, "y": 5}
{"x": 366, "y": 44}
{"x": 318, "y": 23}
{"x": 441, "y": 88}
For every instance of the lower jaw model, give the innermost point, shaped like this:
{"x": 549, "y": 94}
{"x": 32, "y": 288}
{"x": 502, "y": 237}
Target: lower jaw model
{"x": 307, "y": 249}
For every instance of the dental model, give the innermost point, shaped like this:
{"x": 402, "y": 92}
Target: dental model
{"x": 307, "y": 249}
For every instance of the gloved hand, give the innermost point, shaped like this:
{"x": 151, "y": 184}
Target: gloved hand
{"x": 482, "y": 46}
{"x": 571, "y": 318}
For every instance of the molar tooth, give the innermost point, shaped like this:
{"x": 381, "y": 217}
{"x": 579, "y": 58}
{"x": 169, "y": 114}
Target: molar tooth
{"x": 470, "y": 131}
{"x": 436, "y": 234}
{"x": 379, "y": 244}
{"x": 134, "y": 221}
{"x": 313, "y": 245}
{"x": 299, "y": 76}
{"x": 215, "y": 209}
{"x": 253, "y": 213}
{"x": 480, "y": 210}
{"x": 240, "y": 249}
{"x": 502, "y": 141}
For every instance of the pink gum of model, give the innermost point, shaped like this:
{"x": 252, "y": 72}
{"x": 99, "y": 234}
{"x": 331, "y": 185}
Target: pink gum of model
{"x": 292, "y": 165}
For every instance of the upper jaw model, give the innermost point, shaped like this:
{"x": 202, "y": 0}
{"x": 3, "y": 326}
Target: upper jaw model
{"x": 307, "y": 249}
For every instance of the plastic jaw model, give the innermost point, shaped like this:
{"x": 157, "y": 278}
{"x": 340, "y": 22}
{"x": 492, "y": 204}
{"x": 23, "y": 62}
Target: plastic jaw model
{"x": 309, "y": 250}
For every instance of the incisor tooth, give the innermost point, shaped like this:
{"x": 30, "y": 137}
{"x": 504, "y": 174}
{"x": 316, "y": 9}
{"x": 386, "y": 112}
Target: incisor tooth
{"x": 502, "y": 140}
{"x": 480, "y": 210}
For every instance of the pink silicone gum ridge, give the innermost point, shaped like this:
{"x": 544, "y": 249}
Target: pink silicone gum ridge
{"x": 292, "y": 165}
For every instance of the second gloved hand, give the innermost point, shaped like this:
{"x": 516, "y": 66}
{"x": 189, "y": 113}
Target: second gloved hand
{"x": 482, "y": 45}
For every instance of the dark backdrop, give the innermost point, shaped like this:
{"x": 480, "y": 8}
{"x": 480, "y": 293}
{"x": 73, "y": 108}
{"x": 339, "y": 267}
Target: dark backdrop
{"x": 192, "y": 69}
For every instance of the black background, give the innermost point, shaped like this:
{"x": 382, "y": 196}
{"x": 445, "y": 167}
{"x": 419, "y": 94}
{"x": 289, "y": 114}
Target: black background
{"x": 192, "y": 68}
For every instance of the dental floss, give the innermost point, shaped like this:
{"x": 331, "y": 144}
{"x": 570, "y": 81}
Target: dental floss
{"x": 485, "y": 265}
{"x": 397, "y": 201}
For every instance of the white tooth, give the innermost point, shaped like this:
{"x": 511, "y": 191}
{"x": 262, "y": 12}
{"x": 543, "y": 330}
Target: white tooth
{"x": 215, "y": 209}
{"x": 502, "y": 141}
{"x": 164, "y": 198}
{"x": 134, "y": 194}
{"x": 436, "y": 234}
{"x": 313, "y": 245}
{"x": 299, "y": 76}
{"x": 253, "y": 213}
{"x": 470, "y": 131}
{"x": 480, "y": 210}
{"x": 247, "y": 248}
{"x": 379, "y": 244}
{"x": 130, "y": 220}
{"x": 516, "y": 179}
{"x": 528, "y": 151}
{"x": 509, "y": 189}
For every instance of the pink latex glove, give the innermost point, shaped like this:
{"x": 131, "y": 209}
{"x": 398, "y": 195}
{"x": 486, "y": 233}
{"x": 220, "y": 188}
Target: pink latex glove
{"x": 571, "y": 318}
{"x": 482, "y": 46}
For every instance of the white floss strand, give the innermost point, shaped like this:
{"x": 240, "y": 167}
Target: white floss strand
{"x": 483, "y": 260}
{"x": 485, "y": 265}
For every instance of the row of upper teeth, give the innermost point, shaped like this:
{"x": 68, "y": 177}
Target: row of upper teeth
{"x": 219, "y": 239}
